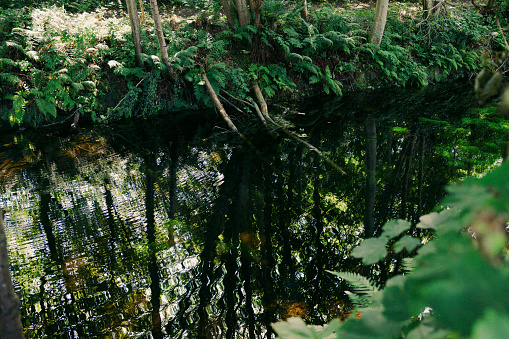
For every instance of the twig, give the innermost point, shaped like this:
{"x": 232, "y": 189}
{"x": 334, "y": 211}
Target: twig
{"x": 501, "y": 32}
{"x": 128, "y": 93}
{"x": 229, "y": 103}
{"x": 61, "y": 121}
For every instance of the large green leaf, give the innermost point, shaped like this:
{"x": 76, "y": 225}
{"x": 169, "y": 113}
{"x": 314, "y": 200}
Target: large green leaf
{"x": 407, "y": 242}
{"x": 46, "y": 107}
{"x": 393, "y": 228}
{"x": 371, "y": 250}
{"x": 492, "y": 325}
{"x": 295, "y": 328}
{"x": 368, "y": 324}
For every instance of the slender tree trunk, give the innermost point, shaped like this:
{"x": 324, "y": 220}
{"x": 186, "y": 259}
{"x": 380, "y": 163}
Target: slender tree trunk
{"x": 135, "y": 29}
{"x": 160, "y": 38}
{"x": 217, "y": 103}
{"x": 377, "y": 30}
{"x": 421, "y": 181}
{"x": 242, "y": 12}
{"x": 427, "y": 9}
{"x": 227, "y": 12}
{"x": 304, "y": 11}
{"x": 263, "y": 104}
{"x": 370, "y": 194}
{"x": 10, "y": 321}
{"x": 142, "y": 11}
{"x": 258, "y": 13}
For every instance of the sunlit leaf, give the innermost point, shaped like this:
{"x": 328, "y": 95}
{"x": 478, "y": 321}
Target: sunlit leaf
{"x": 294, "y": 328}
{"x": 371, "y": 250}
{"x": 394, "y": 228}
{"x": 407, "y": 242}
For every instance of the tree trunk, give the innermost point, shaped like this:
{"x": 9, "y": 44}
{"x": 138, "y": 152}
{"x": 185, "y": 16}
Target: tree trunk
{"x": 427, "y": 9}
{"x": 135, "y": 29}
{"x": 258, "y": 13}
{"x": 263, "y": 104}
{"x": 10, "y": 321}
{"x": 217, "y": 103}
{"x": 142, "y": 11}
{"x": 370, "y": 194}
{"x": 160, "y": 38}
{"x": 377, "y": 30}
{"x": 227, "y": 11}
{"x": 304, "y": 11}
{"x": 242, "y": 12}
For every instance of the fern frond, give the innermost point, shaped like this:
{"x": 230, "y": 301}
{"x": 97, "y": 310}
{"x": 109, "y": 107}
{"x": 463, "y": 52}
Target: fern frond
{"x": 359, "y": 283}
{"x": 7, "y": 64}
{"x": 294, "y": 58}
{"x": 10, "y": 80}
{"x": 14, "y": 46}
{"x": 408, "y": 264}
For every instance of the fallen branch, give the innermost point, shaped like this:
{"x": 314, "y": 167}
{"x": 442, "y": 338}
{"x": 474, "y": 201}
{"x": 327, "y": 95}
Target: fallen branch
{"x": 292, "y": 135}
{"x": 263, "y": 104}
{"x": 217, "y": 103}
{"x": 252, "y": 104}
{"x": 502, "y": 32}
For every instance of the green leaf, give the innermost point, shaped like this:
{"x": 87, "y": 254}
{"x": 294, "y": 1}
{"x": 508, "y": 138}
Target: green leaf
{"x": 46, "y": 107}
{"x": 18, "y": 110}
{"x": 428, "y": 331}
{"x": 294, "y": 328}
{"x": 492, "y": 325}
{"x": 369, "y": 324}
{"x": 393, "y": 228}
{"x": 371, "y": 250}
{"x": 395, "y": 299}
{"x": 407, "y": 242}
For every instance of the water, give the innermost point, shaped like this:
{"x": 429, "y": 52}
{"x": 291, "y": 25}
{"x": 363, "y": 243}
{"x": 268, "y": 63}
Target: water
{"x": 178, "y": 229}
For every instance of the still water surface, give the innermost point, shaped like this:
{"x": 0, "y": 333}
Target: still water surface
{"x": 178, "y": 229}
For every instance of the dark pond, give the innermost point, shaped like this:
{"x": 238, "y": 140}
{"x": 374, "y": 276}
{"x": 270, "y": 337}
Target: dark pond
{"x": 180, "y": 229}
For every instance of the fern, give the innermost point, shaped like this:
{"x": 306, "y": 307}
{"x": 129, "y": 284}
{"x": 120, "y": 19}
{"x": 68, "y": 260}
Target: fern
{"x": 364, "y": 289}
{"x": 217, "y": 79}
{"x": 184, "y": 58}
{"x": 218, "y": 49}
{"x": 294, "y": 58}
{"x": 10, "y": 80}
{"x": 307, "y": 67}
{"x": 7, "y": 64}
{"x": 408, "y": 264}
{"x": 330, "y": 83}
{"x": 238, "y": 79}
{"x": 17, "y": 112}
{"x": 47, "y": 106}
{"x": 13, "y": 47}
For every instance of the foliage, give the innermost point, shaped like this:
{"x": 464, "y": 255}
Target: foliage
{"x": 285, "y": 54}
{"x": 459, "y": 287}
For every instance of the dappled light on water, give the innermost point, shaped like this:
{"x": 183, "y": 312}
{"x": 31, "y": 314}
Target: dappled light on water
{"x": 126, "y": 232}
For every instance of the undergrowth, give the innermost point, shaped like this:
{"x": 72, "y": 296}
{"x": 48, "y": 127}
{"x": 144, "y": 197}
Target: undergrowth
{"x": 51, "y": 67}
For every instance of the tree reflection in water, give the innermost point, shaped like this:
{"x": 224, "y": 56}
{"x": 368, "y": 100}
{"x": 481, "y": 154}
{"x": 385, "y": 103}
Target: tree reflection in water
{"x": 135, "y": 231}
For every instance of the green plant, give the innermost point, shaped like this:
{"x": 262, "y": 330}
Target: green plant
{"x": 329, "y": 83}
{"x": 459, "y": 286}
{"x": 270, "y": 79}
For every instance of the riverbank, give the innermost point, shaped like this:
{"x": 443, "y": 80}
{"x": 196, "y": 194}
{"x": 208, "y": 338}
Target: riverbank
{"x": 57, "y": 65}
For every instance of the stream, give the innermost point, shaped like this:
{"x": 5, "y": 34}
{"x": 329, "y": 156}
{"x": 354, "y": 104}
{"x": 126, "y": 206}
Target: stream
{"x": 176, "y": 228}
